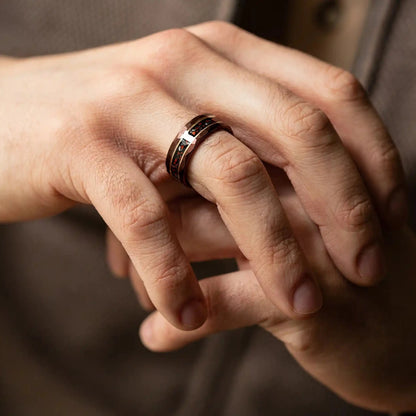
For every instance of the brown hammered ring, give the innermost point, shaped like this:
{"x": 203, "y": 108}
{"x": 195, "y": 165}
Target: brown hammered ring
{"x": 187, "y": 141}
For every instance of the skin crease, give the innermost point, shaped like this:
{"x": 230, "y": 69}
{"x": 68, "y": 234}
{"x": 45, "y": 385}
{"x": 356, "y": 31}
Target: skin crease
{"x": 361, "y": 344}
{"x": 93, "y": 127}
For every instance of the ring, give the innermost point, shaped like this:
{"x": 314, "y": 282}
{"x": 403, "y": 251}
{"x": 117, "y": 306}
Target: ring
{"x": 187, "y": 141}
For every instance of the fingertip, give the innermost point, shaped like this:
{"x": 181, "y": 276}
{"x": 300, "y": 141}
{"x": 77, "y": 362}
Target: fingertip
{"x": 146, "y": 334}
{"x": 146, "y": 331}
{"x": 307, "y": 297}
{"x": 150, "y": 333}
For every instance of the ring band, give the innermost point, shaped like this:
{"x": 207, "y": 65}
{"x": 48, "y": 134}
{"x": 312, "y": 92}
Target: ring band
{"x": 187, "y": 141}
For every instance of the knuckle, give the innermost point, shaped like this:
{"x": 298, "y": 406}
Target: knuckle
{"x": 220, "y": 26}
{"x": 119, "y": 85}
{"x": 128, "y": 80}
{"x": 231, "y": 164}
{"x": 118, "y": 79}
{"x": 219, "y": 29}
{"x": 170, "y": 49}
{"x": 239, "y": 168}
{"x": 283, "y": 250}
{"x": 286, "y": 250}
{"x": 305, "y": 121}
{"x": 145, "y": 219}
{"x": 70, "y": 129}
{"x": 301, "y": 338}
{"x": 355, "y": 214}
{"x": 65, "y": 127}
{"x": 387, "y": 158}
{"x": 170, "y": 276}
{"x": 174, "y": 37}
{"x": 343, "y": 86}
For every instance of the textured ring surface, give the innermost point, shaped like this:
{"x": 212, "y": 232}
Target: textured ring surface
{"x": 187, "y": 141}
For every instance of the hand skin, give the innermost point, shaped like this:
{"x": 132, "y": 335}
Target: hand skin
{"x": 94, "y": 127}
{"x": 361, "y": 344}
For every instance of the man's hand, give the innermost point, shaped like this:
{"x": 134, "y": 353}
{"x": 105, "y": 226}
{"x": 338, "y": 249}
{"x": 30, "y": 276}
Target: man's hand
{"x": 95, "y": 126}
{"x": 361, "y": 344}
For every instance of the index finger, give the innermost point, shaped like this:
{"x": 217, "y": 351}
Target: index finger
{"x": 134, "y": 210}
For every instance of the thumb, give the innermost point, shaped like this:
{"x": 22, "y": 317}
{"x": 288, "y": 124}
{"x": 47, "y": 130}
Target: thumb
{"x": 234, "y": 300}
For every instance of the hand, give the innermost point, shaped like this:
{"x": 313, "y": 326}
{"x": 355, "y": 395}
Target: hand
{"x": 94, "y": 127}
{"x": 361, "y": 344}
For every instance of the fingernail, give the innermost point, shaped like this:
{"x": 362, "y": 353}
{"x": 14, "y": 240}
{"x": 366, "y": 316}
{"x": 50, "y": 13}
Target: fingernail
{"x": 398, "y": 206}
{"x": 193, "y": 314}
{"x": 371, "y": 264}
{"x": 307, "y": 298}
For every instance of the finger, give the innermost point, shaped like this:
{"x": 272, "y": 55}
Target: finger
{"x": 140, "y": 289}
{"x": 201, "y": 231}
{"x": 235, "y": 300}
{"x": 227, "y": 173}
{"x": 199, "y": 228}
{"x": 288, "y": 132}
{"x": 203, "y": 235}
{"x": 117, "y": 258}
{"x": 137, "y": 215}
{"x": 338, "y": 94}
